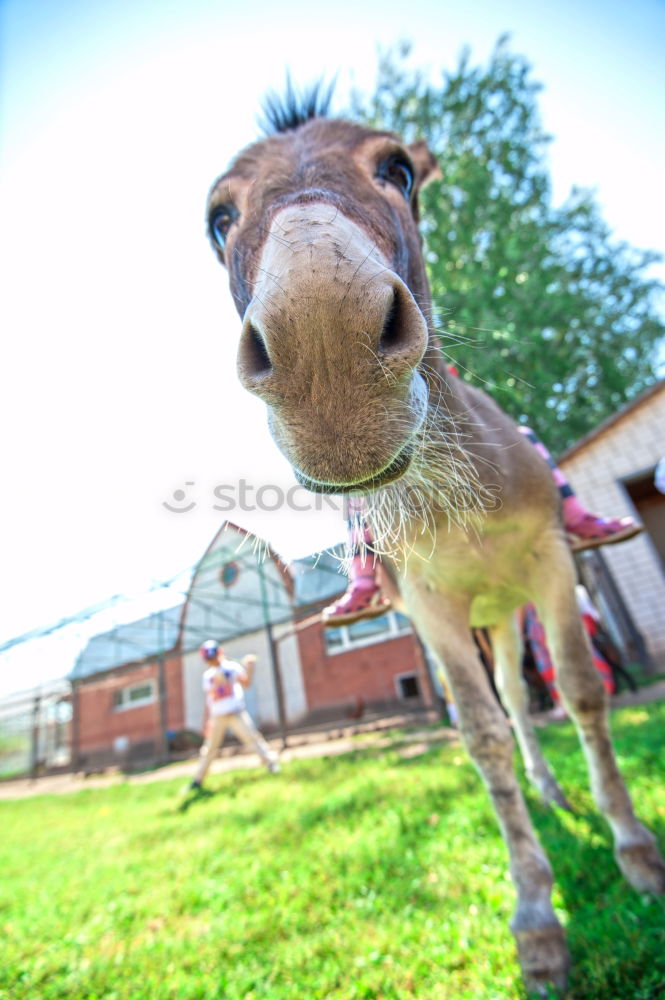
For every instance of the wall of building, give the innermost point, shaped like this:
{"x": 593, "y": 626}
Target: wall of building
{"x": 192, "y": 685}
{"x": 235, "y": 592}
{"x": 261, "y": 697}
{"x": 288, "y": 656}
{"x": 100, "y": 724}
{"x": 631, "y": 446}
{"x": 368, "y": 672}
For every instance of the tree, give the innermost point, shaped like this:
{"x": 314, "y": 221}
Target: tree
{"x": 537, "y": 304}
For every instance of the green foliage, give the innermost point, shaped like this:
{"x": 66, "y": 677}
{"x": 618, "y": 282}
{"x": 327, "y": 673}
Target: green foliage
{"x": 378, "y": 875}
{"x": 537, "y": 304}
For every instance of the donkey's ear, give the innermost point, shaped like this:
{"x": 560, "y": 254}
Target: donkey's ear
{"x": 426, "y": 164}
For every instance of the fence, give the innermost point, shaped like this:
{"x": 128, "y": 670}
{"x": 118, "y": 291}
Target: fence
{"x": 36, "y": 730}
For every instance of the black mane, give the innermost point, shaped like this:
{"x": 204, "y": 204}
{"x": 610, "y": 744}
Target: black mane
{"x": 282, "y": 114}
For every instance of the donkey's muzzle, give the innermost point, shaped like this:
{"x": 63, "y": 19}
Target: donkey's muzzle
{"x": 331, "y": 341}
{"x": 381, "y": 333}
{"x": 393, "y": 471}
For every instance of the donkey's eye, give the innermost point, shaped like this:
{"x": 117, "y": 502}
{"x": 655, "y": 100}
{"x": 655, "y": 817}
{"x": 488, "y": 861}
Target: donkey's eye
{"x": 220, "y": 222}
{"x": 398, "y": 171}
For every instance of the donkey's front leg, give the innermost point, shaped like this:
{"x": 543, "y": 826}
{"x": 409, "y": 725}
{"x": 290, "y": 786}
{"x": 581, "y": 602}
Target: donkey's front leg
{"x": 585, "y": 698}
{"x": 507, "y": 645}
{"x": 540, "y": 938}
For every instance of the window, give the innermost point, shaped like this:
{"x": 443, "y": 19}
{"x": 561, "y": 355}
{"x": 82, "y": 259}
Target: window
{"x": 407, "y": 686}
{"x": 366, "y": 632}
{"x": 228, "y": 574}
{"x": 368, "y": 627}
{"x": 134, "y": 696}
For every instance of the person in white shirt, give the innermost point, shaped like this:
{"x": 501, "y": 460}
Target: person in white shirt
{"x": 224, "y": 683}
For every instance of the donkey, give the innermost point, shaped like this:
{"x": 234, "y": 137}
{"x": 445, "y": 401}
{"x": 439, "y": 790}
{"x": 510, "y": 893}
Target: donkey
{"x": 317, "y": 225}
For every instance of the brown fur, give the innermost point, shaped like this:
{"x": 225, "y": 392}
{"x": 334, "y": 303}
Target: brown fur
{"x": 326, "y": 269}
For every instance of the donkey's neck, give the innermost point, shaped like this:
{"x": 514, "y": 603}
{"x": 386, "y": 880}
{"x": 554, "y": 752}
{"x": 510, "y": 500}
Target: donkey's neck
{"x": 473, "y": 477}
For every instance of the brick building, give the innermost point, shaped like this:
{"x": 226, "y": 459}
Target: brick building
{"x": 612, "y": 470}
{"x": 377, "y": 662}
{"x": 137, "y": 688}
{"x": 139, "y": 683}
{"x": 118, "y": 714}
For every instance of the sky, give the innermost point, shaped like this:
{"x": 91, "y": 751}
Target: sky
{"x": 118, "y": 392}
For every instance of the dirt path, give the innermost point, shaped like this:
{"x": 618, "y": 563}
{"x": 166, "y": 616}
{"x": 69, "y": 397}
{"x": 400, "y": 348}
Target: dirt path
{"x": 330, "y": 742}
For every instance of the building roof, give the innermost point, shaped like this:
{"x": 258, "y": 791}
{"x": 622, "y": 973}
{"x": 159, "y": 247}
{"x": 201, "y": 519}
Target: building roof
{"x": 21, "y": 704}
{"x": 621, "y": 414}
{"x": 211, "y": 611}
{"x": 239, "y": 586}
{"x": 318, "y": 577}
{"x": 129, "y": 643}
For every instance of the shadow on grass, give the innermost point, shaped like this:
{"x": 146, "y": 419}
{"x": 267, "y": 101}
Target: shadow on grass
{"x": 616, "y": 935}
{"x": 194, "y": 797}
{"x": 307, "y": 771}
{"x": 349, "y": 802}
{"x": 231, "y": 788}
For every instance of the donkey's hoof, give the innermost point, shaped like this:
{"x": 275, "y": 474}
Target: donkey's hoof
{"x": 543, "y": 957}
{"x": 642, "y": 866}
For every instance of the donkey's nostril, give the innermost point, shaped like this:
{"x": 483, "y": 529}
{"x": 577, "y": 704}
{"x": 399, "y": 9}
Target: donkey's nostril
{"x": 390, "y": 334}
{"x": 254, "y": 358}
{"x": 404, "y": 331}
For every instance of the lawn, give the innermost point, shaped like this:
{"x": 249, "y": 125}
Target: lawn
{"x": 379, "y": 874}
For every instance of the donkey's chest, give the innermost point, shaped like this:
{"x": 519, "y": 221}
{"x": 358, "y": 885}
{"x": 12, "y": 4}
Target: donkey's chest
{"x": 493, "y": 571}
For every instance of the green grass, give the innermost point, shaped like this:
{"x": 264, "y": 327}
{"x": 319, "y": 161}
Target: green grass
{"x": 375, "y": 875}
